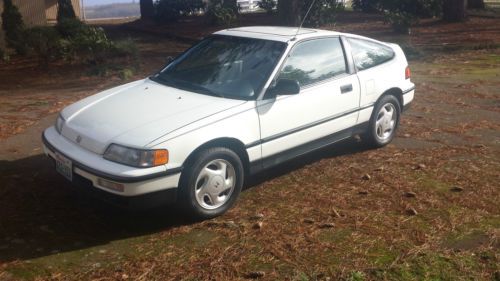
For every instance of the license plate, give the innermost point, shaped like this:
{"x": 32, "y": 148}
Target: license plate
{"x": 64, "y": 166}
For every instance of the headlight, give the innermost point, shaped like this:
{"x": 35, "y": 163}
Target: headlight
{"x": 136, "y": 157}
{"x": 59, "y": 123}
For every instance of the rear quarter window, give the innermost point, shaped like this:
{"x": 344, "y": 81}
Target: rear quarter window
{"x": 367, "y": 54}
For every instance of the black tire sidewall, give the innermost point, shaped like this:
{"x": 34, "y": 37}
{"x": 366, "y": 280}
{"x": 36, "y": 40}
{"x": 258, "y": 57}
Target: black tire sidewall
{"x": 372, "y": 130}
{"x": 190, "y": 174}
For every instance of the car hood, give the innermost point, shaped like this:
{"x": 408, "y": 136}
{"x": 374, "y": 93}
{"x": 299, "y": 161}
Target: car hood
{"x": 136, "y": 114}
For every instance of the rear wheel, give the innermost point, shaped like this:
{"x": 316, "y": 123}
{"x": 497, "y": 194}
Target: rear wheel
{"x": 384, "y": 121}
{"x": 212, "y": 182}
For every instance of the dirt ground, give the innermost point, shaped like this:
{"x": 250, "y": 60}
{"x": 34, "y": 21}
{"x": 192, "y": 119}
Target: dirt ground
{"x": 423, "y": 208}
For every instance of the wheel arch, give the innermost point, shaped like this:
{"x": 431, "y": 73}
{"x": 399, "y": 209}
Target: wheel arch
{"x": 395, "y": 91}
{"x": 231, "y": 143}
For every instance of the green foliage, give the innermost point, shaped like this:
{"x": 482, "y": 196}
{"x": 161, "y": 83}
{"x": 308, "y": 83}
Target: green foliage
{"x": 322, "y": 12}
{"x": 356, "y": 276}
{"x": 172, "y": 10}
{"x": 44, "y": 41}
{"x": 12, "y": 24}
{"x": 401, "y": 21}
{"x": 91, "y": 45}
{"x": 365, "y": 5}
{"x": 220, "y": 12}
{"x": 126, "y": 73}
{"x": 70, "y": 27}
{"x": 402, "y": 14}
{"x": 415, "y": 8}
{"x": 74, "y": 41}
{"x": 126, "y": 48}
{"x": 65, "y": 10}
{"x": 268, "y": 5}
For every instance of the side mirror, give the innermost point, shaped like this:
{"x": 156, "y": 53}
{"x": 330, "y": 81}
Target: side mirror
{"x": 285, "y": 87}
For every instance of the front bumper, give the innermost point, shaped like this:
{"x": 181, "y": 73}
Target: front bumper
{"x": 135, "y": 181}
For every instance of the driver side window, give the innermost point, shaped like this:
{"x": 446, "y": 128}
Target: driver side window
{"x": 314, "y": 61}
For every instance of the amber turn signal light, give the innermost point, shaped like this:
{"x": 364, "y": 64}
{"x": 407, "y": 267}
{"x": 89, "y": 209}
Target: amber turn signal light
{"x": 160, "y": 157}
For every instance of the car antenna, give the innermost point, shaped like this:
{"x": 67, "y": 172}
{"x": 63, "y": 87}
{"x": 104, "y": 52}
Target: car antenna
{"x": 303, "y": 20}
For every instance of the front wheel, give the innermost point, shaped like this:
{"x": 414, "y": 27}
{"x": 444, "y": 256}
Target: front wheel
{"x": 383, "y": 122}
{"x": 211, "y": 183}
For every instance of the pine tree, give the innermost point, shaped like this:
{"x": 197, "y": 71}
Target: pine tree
{"x": 65, "y": 10}
{"x": 12, "y": 24}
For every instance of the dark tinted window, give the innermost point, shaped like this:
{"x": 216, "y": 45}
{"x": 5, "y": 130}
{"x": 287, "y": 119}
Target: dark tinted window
{"x": 315, "y": 60}
{"x": 368, "y": 54}
{"x": 233, "y": 67}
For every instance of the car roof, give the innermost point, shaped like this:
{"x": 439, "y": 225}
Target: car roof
{"x": 276, "y": 33}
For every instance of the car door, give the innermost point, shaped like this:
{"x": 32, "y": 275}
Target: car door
{"x": 327, "y": 103}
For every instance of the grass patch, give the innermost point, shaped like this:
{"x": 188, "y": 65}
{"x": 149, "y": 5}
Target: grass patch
{"x": 337, "y": 236}
{"x": 433, "y": 266}
{"x": 382, "y": 255}
{"x": 432, "y": 184}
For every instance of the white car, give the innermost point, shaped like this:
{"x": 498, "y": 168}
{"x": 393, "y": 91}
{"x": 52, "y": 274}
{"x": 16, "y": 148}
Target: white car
{"x": 240, "y": 101}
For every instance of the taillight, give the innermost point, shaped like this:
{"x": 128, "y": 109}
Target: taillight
{"x": 407, "y": 73}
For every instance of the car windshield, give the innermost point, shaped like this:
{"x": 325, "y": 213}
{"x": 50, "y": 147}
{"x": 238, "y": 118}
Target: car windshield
{"x": 226, "y": 66}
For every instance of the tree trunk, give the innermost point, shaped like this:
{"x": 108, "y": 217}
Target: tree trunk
{"x": 65, "y": 10}
{"x": 289, "y": 12}
{"x": 475, "y": 4}
{"x": 454, "y": 10}
{"x": 147, "y": 9}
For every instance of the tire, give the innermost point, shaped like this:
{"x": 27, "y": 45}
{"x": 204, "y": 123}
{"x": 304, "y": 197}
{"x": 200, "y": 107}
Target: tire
{"x": 206, "y": 191}
{"x": 383, "y": 122}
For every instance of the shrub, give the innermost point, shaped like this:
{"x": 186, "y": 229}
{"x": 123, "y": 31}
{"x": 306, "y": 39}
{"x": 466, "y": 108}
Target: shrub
{"x": 86, "y": 44}
{"x": 365, "y": 5}
{"x": 126, "y": 47}
{"x": 268, "y": 5}
{"x": 126, "y": 73}
{"x": 322, "y": 12}
{"x": 65, "y": 10}
{"x": 171, "y": 10}
{"x": 400, "y": 21}
{"x": 402, "y": 14}
{"x": 70, "y": 27}
{"x": 220, "y": 13}
{"x": 91, "y": 45}
{"x": 12, "y": 24}
{"x": 70, "y": 39}
{"x": 416, "y": 8}
{"x": 44, "y": 42}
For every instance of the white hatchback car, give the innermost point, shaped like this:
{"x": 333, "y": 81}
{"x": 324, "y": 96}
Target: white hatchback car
{"x": 241, "y": 100}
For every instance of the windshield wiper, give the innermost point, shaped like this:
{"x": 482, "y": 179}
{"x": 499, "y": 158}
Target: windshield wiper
{"x": 184, "y": 85}
{"x": 157, "y": 78}
{"x": 207, "y": 91}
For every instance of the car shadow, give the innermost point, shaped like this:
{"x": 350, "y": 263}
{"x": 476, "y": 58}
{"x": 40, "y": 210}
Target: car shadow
{"x": 41, "y": 214}
{"x": 345, "y": 147}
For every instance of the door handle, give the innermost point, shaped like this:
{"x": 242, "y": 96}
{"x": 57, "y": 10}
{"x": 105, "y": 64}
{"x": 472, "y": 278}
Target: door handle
{"x": 346, "y": 89}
